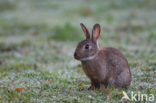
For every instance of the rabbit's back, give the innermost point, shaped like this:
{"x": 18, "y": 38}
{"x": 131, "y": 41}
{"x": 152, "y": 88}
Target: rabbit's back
{"x": 114, "y": 60}
{"x": 118, "y": 71}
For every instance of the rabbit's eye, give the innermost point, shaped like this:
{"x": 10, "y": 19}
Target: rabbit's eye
{"x": 87, "y": 46}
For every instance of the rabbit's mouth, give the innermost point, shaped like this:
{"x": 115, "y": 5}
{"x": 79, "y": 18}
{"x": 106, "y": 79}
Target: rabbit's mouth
{"x": 80, "y": 58}
{"x": 87, "y": 58}
{"x": 76, "y": 56}
{"x": 84, "y": 58}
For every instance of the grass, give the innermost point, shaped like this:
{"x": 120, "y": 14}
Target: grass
{"x": 67, "y": 32}
{"x": 37, "y": 41}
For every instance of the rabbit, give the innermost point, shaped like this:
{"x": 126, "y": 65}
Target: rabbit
{"x": 104, "y": 66}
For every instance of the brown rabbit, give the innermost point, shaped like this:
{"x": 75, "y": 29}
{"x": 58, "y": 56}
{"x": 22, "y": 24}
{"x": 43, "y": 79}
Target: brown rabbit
{"x": 104, "y": 66}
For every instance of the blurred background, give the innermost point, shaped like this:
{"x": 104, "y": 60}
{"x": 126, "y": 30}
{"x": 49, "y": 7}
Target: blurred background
{"x": 38, "y": 35}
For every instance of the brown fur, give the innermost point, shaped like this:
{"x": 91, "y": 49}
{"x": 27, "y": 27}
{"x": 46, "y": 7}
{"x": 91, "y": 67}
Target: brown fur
{"x": 108, "y": 67}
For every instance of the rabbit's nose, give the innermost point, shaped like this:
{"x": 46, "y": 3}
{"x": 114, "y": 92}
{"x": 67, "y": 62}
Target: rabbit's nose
{"x": 75, "y": 54}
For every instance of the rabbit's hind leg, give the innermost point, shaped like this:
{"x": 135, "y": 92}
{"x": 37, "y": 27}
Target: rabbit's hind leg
{"x": 123, "y": 80}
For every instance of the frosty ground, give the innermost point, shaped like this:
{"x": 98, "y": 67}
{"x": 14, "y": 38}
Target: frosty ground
{"x": 38, "y": 38}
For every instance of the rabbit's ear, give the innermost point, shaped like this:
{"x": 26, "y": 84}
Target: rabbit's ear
{"x": 86, "y": 32}
{"x": 95, "y": 32}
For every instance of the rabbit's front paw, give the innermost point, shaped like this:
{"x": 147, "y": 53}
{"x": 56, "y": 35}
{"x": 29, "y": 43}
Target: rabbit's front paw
{"x": 91, "y": 87}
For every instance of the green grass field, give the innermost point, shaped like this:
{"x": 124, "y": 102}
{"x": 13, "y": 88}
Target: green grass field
{"x": 38, "y": 38}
